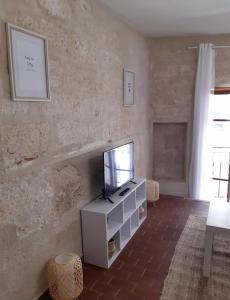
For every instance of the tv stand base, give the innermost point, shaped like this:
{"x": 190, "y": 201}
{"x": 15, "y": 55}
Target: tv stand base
{"x": 111, "y": 201}
{"x": 122, "y": 193}
{"x": 134, "y": 182}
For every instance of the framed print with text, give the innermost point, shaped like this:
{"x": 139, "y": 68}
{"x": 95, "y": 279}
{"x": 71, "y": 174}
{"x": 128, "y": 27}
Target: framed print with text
{"x": 129, "y": 85}
{"x": 28, "y": 64}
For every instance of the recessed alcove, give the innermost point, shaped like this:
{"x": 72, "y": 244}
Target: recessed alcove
{"x": 169, "y": 151}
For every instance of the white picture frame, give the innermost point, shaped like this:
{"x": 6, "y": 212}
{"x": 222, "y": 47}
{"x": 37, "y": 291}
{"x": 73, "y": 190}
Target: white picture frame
{"x": 28, "y": 64}
{"x": 128, "y": 88}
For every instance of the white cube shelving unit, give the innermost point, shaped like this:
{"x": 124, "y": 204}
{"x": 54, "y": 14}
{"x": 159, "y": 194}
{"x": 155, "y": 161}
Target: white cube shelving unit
{"x": 102, "y": 220}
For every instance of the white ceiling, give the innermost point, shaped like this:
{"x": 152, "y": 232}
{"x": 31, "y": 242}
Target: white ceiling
{"x": 174, "y": 17}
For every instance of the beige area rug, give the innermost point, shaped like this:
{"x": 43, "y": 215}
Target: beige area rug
{"x": 184, "y": 280}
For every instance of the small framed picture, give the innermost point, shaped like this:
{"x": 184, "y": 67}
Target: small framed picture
{"x": 28, "y": 65}
{"x": 129, "y": 86}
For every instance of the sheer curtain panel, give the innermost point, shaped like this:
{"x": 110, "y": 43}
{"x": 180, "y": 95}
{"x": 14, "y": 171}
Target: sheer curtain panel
{"x": 200, "y": 153}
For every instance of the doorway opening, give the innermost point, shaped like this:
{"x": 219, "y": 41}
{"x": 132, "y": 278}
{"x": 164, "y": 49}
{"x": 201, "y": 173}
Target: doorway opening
{"x": 220, "y": 146}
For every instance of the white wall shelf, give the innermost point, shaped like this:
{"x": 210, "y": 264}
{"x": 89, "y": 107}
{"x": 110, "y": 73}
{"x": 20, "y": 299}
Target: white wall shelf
{"x": 102, "y": 220}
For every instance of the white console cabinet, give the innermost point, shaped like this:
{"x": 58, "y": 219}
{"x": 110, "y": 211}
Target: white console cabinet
{"x": 102, "y": 221}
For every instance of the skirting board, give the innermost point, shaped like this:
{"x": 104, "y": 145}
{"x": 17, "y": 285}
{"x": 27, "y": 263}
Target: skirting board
{"x": 173, "y": 188}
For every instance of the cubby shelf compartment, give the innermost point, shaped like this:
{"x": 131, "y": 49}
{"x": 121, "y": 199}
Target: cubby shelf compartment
{"x": 140, "y": 193}
{"x": 112, "y": 257}
{"x": 125, "y": 233}
{"x": 129, "y": 205}
{"x": 144, "y": 215}
{"x": 114, "y": 220}
{"x": 102, "y": 220}
{"x": 134, "y": 222}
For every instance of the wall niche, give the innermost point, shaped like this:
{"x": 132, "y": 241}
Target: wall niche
{"x": 169, "y": 151}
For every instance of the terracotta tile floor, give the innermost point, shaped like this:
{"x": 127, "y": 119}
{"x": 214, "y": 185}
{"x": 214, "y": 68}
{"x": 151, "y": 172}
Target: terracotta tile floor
{"x": 140, "y": 270}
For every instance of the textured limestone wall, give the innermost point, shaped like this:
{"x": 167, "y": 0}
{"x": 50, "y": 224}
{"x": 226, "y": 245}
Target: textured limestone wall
{"x": 172, "y": 83}
{"x": 39, "y": 207}
{"x": 169, "y": 148}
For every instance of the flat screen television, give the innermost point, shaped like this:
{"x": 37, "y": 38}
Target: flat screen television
{"x": 118, "y": 168}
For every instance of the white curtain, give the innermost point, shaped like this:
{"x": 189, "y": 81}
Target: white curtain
{"x": 199, "y": 170}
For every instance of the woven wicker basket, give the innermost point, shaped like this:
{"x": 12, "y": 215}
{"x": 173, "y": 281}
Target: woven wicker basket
{"x": 65, "y": 276}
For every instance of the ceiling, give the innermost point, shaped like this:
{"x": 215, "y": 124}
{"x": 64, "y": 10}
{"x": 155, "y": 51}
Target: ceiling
{"x": 174, "y": 17}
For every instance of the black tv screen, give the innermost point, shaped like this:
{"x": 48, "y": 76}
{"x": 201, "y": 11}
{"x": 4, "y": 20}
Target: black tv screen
{"x": 118, "y": 168}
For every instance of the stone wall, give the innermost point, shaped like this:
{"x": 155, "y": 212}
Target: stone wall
{"x": 41, "y": 190}
{"x": 172, "y": 84}
{"x": 169, "y": 148}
